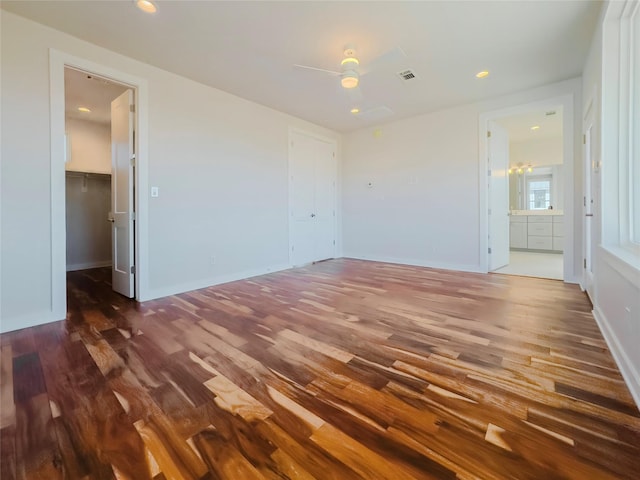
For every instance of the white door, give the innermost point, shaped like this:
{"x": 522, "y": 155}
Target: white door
{"x": 122, "y": 208}
{"x": 312, "y": 176}
{"x": 302, "y": 165}
{"x": 588, "y": 207}
{"x": 325, "y": 194}
{"x": 498, "y": 142}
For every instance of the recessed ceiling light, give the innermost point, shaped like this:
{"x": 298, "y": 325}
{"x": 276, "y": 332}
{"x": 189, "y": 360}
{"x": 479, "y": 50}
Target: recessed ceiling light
{"x": 84, "y": 109}
{"x": 355, "y": 110}
{"x": 535, "y": 127}
{"x": 482, "y": 74}
{"x": 146, "y": 6}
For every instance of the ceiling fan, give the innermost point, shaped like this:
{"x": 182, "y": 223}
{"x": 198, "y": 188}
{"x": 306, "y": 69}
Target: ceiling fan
{"x": 351, "y": 70}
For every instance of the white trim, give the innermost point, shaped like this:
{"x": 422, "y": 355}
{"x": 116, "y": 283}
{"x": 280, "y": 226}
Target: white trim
{"x": 57, "y": 62}
{"x": 29, "y": 320}
{"x": 415, "y": 262}
{"x": 623, "y": 262}
{"x": 334, "y": 143}
{"x": 629, "y": 373}
{"x": 568, "y": 139}
{"x": 87, "y": 265}
{"x": 213, "y": 281}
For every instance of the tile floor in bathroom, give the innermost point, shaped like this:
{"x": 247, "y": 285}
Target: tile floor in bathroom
{"x": 534, "y": 264}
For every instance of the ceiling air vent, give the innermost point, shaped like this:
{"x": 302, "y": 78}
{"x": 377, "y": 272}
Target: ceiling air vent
{"x": 550, "y": 112}
{"x": 406, "y": 75}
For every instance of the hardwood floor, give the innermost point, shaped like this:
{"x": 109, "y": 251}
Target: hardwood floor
{"x": 342, "y": 370}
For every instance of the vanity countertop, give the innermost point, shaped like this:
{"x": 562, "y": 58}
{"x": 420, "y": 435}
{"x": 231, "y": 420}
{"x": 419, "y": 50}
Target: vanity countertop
{"x": 537, "y": 212}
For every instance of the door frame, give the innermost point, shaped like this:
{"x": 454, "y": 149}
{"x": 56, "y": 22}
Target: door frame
{"x": 588, "y": 122}
{"x": 568, "y": 141}
{"x": 58, "y": 60}
{"x": 334, "y": 143}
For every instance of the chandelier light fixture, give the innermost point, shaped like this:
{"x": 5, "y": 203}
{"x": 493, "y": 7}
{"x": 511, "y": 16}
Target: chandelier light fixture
{"x": 520, "y": 168}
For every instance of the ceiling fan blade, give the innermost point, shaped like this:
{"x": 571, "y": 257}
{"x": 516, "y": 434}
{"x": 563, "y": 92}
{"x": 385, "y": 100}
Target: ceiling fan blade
{"x": 387, "y": 59}
{"x": 330, "y": 72}
{"x": 375, "y": 114}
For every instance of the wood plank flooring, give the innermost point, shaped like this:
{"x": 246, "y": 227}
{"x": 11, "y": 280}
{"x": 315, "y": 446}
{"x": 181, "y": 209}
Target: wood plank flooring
{"x": 342, "y": 370}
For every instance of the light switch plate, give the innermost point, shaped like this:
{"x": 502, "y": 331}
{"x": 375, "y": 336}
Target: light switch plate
{"x": 154, "y": 191}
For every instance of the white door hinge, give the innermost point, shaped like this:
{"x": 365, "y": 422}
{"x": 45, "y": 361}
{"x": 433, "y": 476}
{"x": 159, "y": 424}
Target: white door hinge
{"x": 133, "y": 269}
{"x": 132, "y": 108}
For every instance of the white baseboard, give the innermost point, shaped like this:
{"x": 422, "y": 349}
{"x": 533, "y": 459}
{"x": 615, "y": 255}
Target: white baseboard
{"x": 575, "y": 280}
{"x": 152, "y": 294}
{"x": 417, "y": 263}
{"x": 26, "y": 321}
{"x": 630, "y": 375}
{"x": 84, "y": 266}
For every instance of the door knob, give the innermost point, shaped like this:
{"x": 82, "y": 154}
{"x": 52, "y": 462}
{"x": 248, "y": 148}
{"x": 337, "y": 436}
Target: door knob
{"x": 588, "y": 214}
{"x": 313, "y": 215}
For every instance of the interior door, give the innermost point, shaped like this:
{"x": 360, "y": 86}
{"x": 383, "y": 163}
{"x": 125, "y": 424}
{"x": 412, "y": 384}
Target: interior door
{"x": 312, "y": 177}
{"x": 122, "y": 206}
{"x": 498, "y": 142}
{"x": 302, "y": 179}
{"x": 588, "y": 207}
{"x": 325, "y": 191}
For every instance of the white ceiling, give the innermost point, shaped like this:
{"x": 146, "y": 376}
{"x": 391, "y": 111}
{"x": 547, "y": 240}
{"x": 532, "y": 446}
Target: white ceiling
{"x": 94, "y": 93}
{"x": 248, "y": 48}
{"x": 519, "y": 126}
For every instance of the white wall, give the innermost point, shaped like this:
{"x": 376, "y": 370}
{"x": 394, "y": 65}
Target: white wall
{"x": 542, "y": 151}
{"x": 219, "y": 161}
{"x": 616, "y": 283}
{"x": 423, "y": 206}
{"x": 90, "y": 146}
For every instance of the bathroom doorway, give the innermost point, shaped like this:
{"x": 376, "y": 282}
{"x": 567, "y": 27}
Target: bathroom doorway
{"x": 535, "y": 179}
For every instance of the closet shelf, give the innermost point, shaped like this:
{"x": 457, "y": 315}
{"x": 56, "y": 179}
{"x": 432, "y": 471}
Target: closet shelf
{"x": 75, "y": 173}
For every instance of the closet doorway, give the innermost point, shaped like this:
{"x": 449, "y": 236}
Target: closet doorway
{"x": 99, "y": 176}
{"x": 312, "y": 198}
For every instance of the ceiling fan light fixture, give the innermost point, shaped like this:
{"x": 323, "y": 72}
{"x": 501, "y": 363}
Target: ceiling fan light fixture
{"x": 349, "y": 61}
{"x": 482, "y": 74}
{"x": 349, "y": 79}
{"x": 355, "y": 111}
{"x": 146, "y": 6}
{"x": 84, "y": 109}
{"x": 349, "y": 50}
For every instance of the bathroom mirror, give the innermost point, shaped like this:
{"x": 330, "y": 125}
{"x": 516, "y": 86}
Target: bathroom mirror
{"x": 537, "y": 188}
